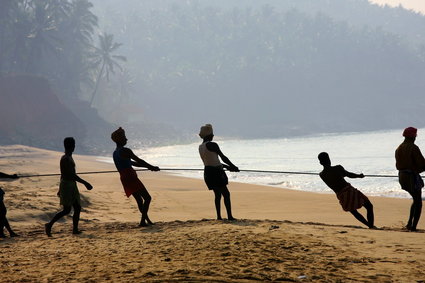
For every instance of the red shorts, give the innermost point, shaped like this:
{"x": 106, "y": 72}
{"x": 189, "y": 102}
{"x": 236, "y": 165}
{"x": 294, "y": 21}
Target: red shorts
{"x": 130, "y": 181}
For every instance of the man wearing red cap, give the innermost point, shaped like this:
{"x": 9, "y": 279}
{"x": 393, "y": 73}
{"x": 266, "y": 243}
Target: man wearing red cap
{"x": 409, "y": 163}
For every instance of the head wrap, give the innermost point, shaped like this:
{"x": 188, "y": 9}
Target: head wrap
{"x": 206, "y": 131}
{"x": 410, "y": 132}
{"x": 118, "y": 135}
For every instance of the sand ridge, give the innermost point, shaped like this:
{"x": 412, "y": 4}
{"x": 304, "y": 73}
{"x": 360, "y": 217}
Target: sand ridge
{"x": 213, "y": 251}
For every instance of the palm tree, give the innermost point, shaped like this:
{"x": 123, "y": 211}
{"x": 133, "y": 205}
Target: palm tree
{"x": 77, "y": 30}
{"x": 43, "y": 38}
{"x": 103, "y": 57}
{"x": 6, "y": 26}
{"x": 82, "y": 22}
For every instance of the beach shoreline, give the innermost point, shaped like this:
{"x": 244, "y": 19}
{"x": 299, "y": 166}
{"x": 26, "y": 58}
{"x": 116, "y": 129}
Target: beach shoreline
{"x": 279, "y": 235}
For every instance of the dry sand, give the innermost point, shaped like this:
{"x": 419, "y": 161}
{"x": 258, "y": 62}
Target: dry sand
{"x": 282, "y": 235}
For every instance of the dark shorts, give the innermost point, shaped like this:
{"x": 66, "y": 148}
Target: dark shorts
{"x": 215, "y": 177}
{"x": 410, "y": 181}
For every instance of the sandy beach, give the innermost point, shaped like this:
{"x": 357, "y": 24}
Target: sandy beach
{"x": 280, "y": 235}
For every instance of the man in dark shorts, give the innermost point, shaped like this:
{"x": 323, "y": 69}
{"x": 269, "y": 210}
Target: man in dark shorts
{"x": 409, "y": 163}
{"x": 68, "y": 190}
{"x": 349, "y": 197}
{"x": 3, "y": 211}
{"x": 214, "y": 175}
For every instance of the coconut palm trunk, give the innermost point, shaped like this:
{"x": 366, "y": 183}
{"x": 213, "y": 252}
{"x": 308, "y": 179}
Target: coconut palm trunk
{"x": 99, "y": 76}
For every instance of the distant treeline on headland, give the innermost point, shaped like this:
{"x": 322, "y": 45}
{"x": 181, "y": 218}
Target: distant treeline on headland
{"x": 273, "y": 68}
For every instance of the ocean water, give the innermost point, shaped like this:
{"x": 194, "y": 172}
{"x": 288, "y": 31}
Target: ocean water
{"x": 371, "y": 153}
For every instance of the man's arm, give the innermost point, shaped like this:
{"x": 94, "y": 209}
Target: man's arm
{"x": 4, "y": 175}
{"x": 212, "y": 146}
{"x": 419, "y": 159}
{"x": 84, "y": 182}
{"x": 68, "y": 170}
{"x": 136, "y": 161}
{"x": 352, "y": 175}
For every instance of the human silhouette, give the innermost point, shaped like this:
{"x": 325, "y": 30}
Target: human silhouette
{"x": 214, "y": 175}
{"x": 409, "y": 163}
{"x": 68, "y": 190}
{"x": 349, "y": 197}
{"x": 3, "y": 211}
{"x": 124, "y": 160}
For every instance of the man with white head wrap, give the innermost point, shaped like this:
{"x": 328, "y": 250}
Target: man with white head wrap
{"x": 214, "y": 175}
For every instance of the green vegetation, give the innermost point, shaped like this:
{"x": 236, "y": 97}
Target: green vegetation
{"x": 252, "y": 68}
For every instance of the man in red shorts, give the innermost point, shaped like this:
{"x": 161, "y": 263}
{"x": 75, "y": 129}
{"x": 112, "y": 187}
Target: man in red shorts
{"x": 124, "y": 159}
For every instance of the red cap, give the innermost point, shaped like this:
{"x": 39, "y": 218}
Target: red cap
{"x": 410, "y": 132}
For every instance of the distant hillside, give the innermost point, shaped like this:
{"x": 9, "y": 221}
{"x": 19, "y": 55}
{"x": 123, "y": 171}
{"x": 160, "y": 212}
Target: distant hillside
{"x": 31, "y": 114}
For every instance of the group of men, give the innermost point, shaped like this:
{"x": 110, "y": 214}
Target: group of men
{"x": 409, "y": 162}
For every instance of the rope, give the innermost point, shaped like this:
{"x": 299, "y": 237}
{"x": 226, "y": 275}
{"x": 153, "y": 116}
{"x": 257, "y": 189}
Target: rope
{"x": 280, "y": 172}
{"x": 196, "y": 169}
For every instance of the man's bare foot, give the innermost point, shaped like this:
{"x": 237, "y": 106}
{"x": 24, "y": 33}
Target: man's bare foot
{"x": 48, "y": 229}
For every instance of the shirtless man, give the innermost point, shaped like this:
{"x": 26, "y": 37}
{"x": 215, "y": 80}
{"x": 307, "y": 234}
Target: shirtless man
{"x": 68, "y": 190}
{"x": 124, "y": 160}
{"x": 214, "y": 175}
{"x": 349, "y": 197}
{"x": 409, "y": 163}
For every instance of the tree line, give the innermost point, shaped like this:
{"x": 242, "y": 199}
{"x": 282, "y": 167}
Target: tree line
{"x": 271, "y": 70}
{"x": 55, "y": 39}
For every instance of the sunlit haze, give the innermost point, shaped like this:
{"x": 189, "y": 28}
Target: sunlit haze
{"x": 416, "y": 5}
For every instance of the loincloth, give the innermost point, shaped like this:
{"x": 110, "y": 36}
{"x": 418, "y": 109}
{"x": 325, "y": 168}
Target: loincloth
{"x": 68, "y": 193}
{"x": 351, "y": 199}
{"x": 410, "y": 181}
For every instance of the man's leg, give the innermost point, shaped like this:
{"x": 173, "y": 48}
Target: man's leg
{"x": 217, "y": 201}
{"x": 412, "y": 212}
{"x": 227, "y": 203}
{"x": 360, "y": 217}
{"x": 3, "y": 212}
{"x": 6, "y": 224}
{"x": 143, "y": 200}
{"x": 370, "y": 216}
{"x": 48, "y": 226}
{"x": 417, "y": 204}
{"x": 76, "y": 218}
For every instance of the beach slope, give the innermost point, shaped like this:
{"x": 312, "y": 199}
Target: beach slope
{"x": 281, "y": 235}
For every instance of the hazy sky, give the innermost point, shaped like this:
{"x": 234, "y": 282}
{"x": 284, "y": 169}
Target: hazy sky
{"x": 416, "y": 5}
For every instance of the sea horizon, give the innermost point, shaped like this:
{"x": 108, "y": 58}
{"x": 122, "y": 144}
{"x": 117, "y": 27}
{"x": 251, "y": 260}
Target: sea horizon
{"x": 370, "y": 153}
